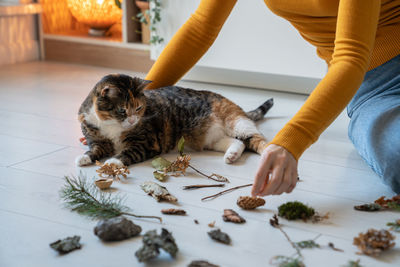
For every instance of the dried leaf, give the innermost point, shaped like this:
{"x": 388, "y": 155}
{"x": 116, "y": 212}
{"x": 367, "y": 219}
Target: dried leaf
{"x": 373, "y": 242}
{"x": 220, "y": 236}
{"x": 391, "y": 203}
{"x": 160, "y": 164}
{"x": 160, "y": 176}
{"x": 332, "y": 246}
{"x": 232, "y": 216}
{"x": 66, "y": 245}
{"x": 368, "y": 207}
{"x": 158, "y": 192}
{"x": 211, "y": 224}
{"x": 319, "y": 218}
{"x": 173, "y": 211}
{"x": 274, "y": 221}
{"x": 181, "y": 145}
{"x": 249, "y": 203}
{"x": 202, "y": 263}
{"x": 394, "y": 226}
{"x": 112, "y": 170}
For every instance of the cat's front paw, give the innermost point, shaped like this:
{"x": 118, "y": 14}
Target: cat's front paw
{"x": 83, "y": 160}
{"x": 115, "y": 161}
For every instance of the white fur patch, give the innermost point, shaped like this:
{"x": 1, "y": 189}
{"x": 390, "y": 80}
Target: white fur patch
{"x": 234, "y": 151}
{"x": 111, "y": 129}
{"x": 83, "y": 160}
{"x": 214, "y": 134}
{"x": 115, "y": 161}
{"x": 244, "y": 128}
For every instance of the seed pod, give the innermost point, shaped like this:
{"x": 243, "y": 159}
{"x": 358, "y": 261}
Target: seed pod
{"x": 250, "y": 203}
{"x": 173, "y": 211}
{"x": 232, "y": 216}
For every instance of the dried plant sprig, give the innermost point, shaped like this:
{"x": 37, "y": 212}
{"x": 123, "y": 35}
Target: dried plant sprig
{"x": 284, "y": 261}
{"x": 373, "y": 242}
{"x": 225, "y": 191}
{"x": 112, "y": 170}
{"x": 179, "y": 166}
{"x": 394, "y": 226}
{"x": 274, "y": 222}
{"x": 83, "y": 197}
{"x": 353, "y": 264}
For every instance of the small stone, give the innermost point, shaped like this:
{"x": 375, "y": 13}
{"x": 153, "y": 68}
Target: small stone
{"x": 66, "y": 245}
{"x": 232, "y": 216}
{"x": 201, "y": 263}
{"x": 220, "y": 236}
{"x": 152, "y": 242}
{"x": 250, "y": 203}
{"x": 116, "y": 229}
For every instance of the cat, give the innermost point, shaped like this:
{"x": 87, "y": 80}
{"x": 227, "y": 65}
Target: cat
{"x": 121, "y": 120}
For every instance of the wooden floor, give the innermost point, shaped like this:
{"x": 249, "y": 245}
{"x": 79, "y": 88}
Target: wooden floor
{"x": 39, "y": 135}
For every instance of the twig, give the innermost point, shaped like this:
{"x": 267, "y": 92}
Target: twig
{"x": 197, "y": 186}
{"x": 225, "y": 191}
{"x": 219, "y": 178}
{"x": 142, "y": 216}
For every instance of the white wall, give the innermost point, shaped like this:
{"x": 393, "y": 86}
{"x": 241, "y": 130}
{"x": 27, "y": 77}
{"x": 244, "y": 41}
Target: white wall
{"x": 255, "y": 48}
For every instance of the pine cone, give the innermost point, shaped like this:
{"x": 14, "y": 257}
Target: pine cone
{"x": 373, "y": 242}
{"x": 250, "y": 203}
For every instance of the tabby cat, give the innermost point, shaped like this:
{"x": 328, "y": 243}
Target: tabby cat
{"x": 122, "y": 120}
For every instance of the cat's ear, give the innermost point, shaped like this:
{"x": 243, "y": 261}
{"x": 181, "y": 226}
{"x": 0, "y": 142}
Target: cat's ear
{"x": 140, "y": 84}
{"x": 109, "y": 91}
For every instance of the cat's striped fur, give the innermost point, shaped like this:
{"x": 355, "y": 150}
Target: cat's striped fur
{"x": 121, "y": 120}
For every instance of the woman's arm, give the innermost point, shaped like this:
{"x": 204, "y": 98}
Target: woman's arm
{"x": 190, "y": 42}
{"x": 355, "y": 35}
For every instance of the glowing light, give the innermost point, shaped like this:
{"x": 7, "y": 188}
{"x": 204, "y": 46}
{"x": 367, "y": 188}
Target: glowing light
{"x": 98, "y": 14}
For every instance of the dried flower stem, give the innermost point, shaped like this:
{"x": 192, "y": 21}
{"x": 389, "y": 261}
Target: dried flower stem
{"x": 215, "y": 177}
{"x": 274, "y": 222}
{"x": 197, "y": 186}
{"x": 225, "y": 191}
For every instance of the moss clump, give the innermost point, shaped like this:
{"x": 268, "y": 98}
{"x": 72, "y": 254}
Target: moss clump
{"x": 295, "y": 210}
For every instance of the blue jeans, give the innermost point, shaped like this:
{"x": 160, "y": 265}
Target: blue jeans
{"x": 374, "y": 127}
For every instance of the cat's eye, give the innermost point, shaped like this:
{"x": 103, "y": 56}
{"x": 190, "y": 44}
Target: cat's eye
{"x": 139, "y": 108}
{"x": 121, "y": 111}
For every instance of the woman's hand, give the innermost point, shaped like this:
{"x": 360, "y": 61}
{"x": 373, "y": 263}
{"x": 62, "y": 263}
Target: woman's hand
{"x": 277, "y": 172}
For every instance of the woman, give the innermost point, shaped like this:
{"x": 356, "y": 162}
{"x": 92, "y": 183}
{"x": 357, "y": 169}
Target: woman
{"x": 356, "y": 38}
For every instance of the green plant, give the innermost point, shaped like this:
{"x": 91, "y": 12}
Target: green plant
{"x": 152, "y": 17}
{"x": 295, "y": 210}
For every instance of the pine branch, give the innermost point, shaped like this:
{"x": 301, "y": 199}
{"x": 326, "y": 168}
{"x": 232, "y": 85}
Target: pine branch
{"x": 81, "y": 196}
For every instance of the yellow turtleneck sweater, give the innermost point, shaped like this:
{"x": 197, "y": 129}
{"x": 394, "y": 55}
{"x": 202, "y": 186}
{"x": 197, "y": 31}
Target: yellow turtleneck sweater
{"x": 352, "y": 36}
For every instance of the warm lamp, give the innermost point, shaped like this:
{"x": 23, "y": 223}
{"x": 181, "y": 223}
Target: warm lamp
{"x": 98, "y": 14}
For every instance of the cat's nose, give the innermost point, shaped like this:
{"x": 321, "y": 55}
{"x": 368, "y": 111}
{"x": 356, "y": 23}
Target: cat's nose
{"x": 132, "y": 120}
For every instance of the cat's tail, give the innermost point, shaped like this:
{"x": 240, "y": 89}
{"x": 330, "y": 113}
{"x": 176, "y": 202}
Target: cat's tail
{"x": 259, "y": 113}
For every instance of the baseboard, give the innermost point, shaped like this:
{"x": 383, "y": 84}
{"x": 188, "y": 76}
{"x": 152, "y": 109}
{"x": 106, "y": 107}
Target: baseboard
{"x": 302, "y": 85}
